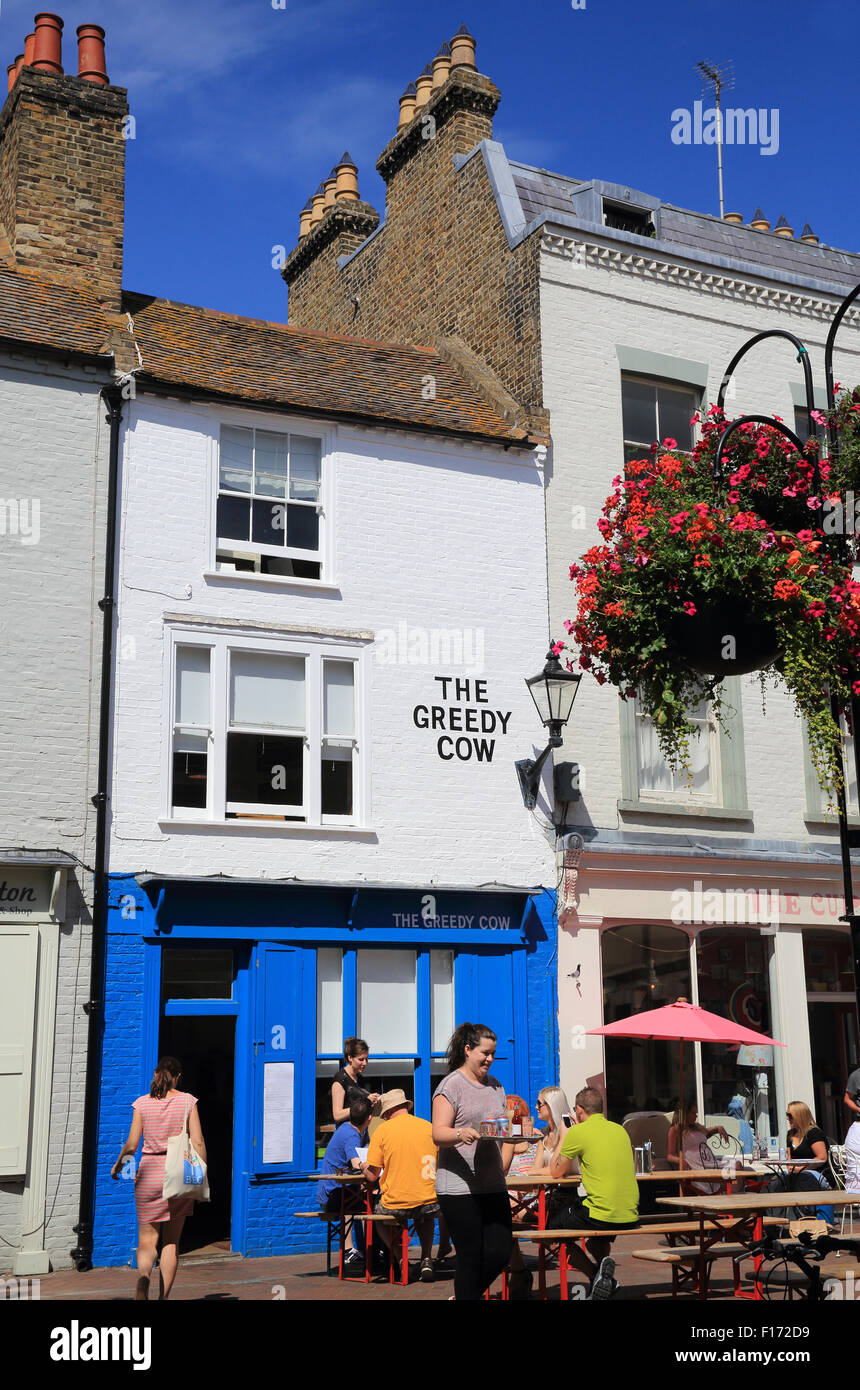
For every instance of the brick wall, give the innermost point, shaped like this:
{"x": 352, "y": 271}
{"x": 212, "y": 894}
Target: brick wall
{"x": 440, "y": 264}
{"x": 62, "y": 171}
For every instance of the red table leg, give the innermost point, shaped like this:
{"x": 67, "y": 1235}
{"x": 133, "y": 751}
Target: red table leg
{"x": 541, "y": 1248}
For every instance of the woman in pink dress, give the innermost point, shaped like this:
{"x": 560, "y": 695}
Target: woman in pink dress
{"x": 156, "y": 1117}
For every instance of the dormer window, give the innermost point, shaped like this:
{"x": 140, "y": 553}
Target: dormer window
{"x": 625, "y": 218}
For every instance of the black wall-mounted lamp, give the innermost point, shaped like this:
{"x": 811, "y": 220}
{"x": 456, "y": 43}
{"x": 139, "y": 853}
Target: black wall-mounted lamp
{"x": 553, "y": 691}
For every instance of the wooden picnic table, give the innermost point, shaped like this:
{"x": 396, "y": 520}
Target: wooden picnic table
{"x": 538, "y": 1183}
{"x": 748, "y": 1210}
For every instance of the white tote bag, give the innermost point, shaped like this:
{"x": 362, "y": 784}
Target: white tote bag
{"x": 184, "y": 1170}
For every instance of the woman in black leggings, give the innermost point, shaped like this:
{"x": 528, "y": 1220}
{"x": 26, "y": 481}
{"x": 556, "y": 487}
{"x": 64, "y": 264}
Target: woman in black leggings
{"x": 470, "y": 1179}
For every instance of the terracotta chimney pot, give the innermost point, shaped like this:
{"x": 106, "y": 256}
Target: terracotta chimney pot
{"x": 48, "y": 43}
{"x": 91, "y": 54}
{"x": 305, "y": 220}
{"x": 407, "y": 106}
{"x": 16, "y": 68}
{"x": 737, "y": 217}
{"x": 441, "y": 66}
{"x": 317, "y": 205}
{"x": 808, "y": 235}
{"x": 329, "y": 187}
{"x": 760, "y": 222}
{"x": 463, "y": 49}
{"x": 782, "y": 228}
{"x": 347, "y": 178}
{"x": 423, "y": 88}
{"x": 29, "y": 47}
{"x": 12, "y": 75}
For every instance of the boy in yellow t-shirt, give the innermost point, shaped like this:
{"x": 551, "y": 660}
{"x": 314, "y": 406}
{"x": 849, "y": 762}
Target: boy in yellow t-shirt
{"x": 403, "y": 1156}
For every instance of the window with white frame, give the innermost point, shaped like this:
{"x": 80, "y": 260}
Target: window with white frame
{"x": 269, "y": 515}
{"x": 652, "y": 411}
{"x": 264, "y": 732}
{"x": 659, "y": 782}
{"x": 377, "y": 993}
{"x": 802, "y": 423}
{"x": 816, "y": 798}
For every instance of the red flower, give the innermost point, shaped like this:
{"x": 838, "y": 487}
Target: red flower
{"x": 689, "y": 608}
{"x": 786, "y": 589}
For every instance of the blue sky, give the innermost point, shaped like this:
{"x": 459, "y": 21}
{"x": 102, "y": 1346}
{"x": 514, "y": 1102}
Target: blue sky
{"x": 241, "y": 109}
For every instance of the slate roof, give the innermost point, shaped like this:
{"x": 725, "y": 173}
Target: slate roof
{"x": 541, "y": 192}
{"x": 223, "y": 355}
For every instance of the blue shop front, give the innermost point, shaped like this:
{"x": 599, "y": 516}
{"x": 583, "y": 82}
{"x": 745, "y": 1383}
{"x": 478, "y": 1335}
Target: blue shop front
{"x": 254, "y": 986}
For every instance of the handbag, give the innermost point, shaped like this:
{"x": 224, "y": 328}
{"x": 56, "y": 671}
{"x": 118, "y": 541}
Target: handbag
{"x": 184, "y": 1170}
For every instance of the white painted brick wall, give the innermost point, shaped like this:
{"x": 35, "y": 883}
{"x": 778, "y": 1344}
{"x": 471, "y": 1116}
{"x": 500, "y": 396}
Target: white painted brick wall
{"x": 587, "y": 311}
{"x": 50, "y": 649}
{"x": 435, "y": 535}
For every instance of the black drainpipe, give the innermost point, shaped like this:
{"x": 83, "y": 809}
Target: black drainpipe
{"x": 94, "y": 1008}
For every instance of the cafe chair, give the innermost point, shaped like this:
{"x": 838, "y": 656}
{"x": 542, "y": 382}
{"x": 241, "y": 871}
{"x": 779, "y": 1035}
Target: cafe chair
{"x": 837, "y": 1157}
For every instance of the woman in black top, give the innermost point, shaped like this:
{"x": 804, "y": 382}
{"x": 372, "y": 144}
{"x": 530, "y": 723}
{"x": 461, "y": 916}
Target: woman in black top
{"x": 805, "y": 1139}
{"x": 351, "y": 1078}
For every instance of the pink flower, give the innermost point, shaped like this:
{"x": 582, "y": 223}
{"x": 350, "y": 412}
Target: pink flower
{"x": 733, "y": 497}
{"x": 789, "y": 492}
{"x": 640, "y": 532}
{"x": 689, "y": 608}
{"x": 670, "y": 443}
{"x": 557, "y": 648}
{"x": 818, "y": 417}
{"x": 641, "y": 558}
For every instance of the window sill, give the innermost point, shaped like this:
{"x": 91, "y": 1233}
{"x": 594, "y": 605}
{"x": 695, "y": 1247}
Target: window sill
{"x": 677, "y": 808}
{"x": 271, "y": 581}
{"x": 265, "y": 827}
{"x": 817, "y": 819}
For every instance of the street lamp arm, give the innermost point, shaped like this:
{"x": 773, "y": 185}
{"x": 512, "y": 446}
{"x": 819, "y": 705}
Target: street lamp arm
{"x": 758, "y": 420}
{"x": 802, "y": 357}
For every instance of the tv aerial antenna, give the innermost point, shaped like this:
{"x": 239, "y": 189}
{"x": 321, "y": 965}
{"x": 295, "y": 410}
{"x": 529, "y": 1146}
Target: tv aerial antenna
{"x": 716, "y": 78}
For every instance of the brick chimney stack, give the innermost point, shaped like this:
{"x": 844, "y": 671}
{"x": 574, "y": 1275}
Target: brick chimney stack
{"x": 62, "y": 164}
{"x": 440, "y": 271}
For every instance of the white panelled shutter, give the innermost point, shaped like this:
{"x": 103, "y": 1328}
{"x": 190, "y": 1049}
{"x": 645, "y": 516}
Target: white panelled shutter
{"x": 19, "y": 949}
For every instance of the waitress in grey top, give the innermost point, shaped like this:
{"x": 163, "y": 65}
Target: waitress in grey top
{"x": 470, "y": 1179}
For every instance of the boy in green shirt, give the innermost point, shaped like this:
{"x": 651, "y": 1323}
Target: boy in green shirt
{"x": 611, "y": 1203}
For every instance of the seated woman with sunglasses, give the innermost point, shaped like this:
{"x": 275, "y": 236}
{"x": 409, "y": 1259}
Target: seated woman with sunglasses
{"x": 805, "y": 1140}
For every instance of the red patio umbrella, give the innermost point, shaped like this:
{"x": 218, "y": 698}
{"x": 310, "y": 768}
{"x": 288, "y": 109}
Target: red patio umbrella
{"x": 683, "y": 1022}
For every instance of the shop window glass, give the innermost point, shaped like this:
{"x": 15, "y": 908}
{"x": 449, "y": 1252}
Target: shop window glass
{"x": 832, "y": 1022}
{"x": 196, "y": 974}
{"x": 441, "y": 999}
{"x": 644, "y": 967}
{"x": 329, "y": 1000}
{"x": 732, "y": 967}
{"x": 387, "y": 1000}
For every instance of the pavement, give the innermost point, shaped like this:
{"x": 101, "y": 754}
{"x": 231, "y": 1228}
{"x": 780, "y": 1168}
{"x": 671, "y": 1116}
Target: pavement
{"x": 302, "y": 1278}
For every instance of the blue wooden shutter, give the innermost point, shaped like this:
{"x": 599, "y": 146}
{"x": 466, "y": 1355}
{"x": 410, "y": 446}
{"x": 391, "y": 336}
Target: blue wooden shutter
{"x": 281, "y": 1143}
{"x": 487, "y": 989}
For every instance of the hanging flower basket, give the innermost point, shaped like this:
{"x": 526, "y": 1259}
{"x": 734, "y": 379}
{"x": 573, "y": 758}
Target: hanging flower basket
{"x": 721, "y": 639}
{"x": 693, "y": 583}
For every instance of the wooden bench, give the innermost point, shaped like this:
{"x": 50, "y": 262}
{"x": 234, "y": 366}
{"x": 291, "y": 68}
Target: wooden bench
{"x": 675, "y": 1256}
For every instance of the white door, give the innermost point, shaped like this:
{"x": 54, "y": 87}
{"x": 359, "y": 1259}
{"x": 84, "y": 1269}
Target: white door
{"x": 19, "y": 950}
